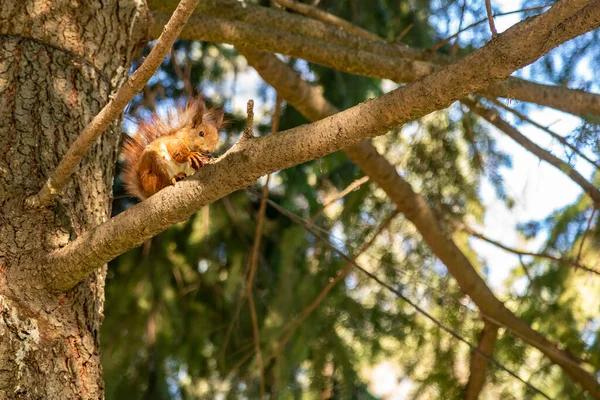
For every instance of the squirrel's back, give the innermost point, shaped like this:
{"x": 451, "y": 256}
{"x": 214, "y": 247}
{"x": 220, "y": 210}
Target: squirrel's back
{"x": 148, "y": 131}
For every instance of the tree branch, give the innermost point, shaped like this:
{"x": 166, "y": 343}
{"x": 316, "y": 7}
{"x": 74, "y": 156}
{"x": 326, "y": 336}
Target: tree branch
{"x": 321, "y": 15}
{"x": 479, "y": 364}
{"x": 339, "y": 195}
{"x": 310, "y": 102}
{"x": 585, "y": 233}
{"x": 474, "y": 24}
{"x": 490, "y": 14}
{"x": 257, "y": 239}
{"x": 247, "y": 134}
{"x": 564, "y": 261}
{"x": 555, "y": 135}
{"x": 494, "y": 118}
{"x": 136, "y": 82}
{"x": 250, "y": 159}
{"x": 269, "y": 29}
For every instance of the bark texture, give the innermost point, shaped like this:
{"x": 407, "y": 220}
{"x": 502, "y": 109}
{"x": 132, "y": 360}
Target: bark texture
{"x": 59, "y": 63}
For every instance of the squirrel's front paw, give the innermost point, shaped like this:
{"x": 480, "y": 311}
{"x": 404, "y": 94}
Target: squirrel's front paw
{"x": 177, "y": 178}
{"x": 198, "y": 160}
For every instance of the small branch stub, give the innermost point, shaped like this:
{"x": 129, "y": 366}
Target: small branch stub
{"x": 488, "y": 7}
{"x": 249, "y": 120}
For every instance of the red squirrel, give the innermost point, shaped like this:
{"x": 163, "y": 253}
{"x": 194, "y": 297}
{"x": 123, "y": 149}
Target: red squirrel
{"x": 166, "y": 150}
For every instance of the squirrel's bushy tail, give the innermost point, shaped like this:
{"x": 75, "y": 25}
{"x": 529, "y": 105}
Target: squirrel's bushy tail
{"x": 150, "y": 130}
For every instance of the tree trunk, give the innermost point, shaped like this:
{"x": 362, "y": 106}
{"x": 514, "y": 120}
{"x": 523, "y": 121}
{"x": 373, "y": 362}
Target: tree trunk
{"x": 60, "y": 61}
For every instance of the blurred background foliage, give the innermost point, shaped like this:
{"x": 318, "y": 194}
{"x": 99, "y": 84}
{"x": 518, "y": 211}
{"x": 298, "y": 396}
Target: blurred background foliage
{"x": 177, "y": 323}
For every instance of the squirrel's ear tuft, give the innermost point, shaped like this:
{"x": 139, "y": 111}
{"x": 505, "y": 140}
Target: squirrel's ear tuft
{"x": 198, "y": 109}
{"x": 219, "y": 118}
{"x": 214, "y": 117}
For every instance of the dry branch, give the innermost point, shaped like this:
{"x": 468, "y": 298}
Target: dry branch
{"x": 250, "y": 159}
{"x": 247, "y": 134}
{"x": 494, "y": 118}
{"x": 310, "y": 102}
{"x": 292, "y": 34}
{"x": 136, "y": 82}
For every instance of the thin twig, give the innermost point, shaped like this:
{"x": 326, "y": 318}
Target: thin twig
{"x": 324, "y": 16}
{"x": 481, "y": 21}
{"x": 350, "y": 188}
{"x": 455, "y": 45}
{"x": 257, "y": 351}
{"x": 488, "y": 7}
{"x": 249, "y": 120}
{"x": 587, "y": 230}
{"x": 289, "y": 331}
{"x": 306, "y": 226}
{"x": 493, "y": 117}
{"x": 564, "y": 261}
{"x": 526, "y": 270}
{"x": 545, "y": 129}
{"x": 404, "y": 32}
{"x": 136, "y": 82}
{"x": 256, "y": 248}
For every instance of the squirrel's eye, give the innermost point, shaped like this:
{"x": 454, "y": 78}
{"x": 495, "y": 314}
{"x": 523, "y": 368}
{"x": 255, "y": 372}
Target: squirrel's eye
{"x": 201, "y": 134}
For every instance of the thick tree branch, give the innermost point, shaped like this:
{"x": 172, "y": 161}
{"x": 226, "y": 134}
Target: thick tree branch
{"x": 136, "y": 82}
{"x": 494, "y": 118}
{"x": 479, "y": 364}
{"x": 269, "y": 29}
{"x": 310, "y": 102}
{"x": 250, "y": 159}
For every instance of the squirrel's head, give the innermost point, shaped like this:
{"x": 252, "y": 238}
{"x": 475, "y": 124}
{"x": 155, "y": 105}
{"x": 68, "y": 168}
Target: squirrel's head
{"x": 202, "y": 133}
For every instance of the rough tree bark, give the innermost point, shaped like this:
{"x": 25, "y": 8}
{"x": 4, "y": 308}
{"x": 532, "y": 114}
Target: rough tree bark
{"x": 59, "y": 63}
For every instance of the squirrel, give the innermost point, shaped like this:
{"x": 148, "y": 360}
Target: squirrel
{"x": 166, "y": 150}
